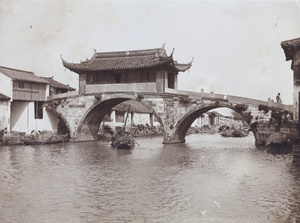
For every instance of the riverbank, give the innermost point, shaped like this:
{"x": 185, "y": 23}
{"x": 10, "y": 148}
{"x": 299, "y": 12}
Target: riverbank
{"x": 18, "y": 138}
{"x": 41, "y": 137}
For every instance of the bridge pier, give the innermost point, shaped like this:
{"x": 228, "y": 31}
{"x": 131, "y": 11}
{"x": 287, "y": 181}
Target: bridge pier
{"x": 168, "y": 141}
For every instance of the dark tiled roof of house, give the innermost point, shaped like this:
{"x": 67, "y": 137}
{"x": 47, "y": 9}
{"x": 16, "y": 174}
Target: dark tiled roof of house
{"x": 134, "y": 107}
{"x": 4, "y": 97}
{"x": 21, "y": 75}
{"x": 215, "y": 113}
{"x": 56, "y": 84}
{"x": 126, "y": 60}
{"x": 289, "y": 46}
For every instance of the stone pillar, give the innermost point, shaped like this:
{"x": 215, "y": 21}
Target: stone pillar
{"x": 151, "y": 118}
{"x": 160, "y": 81}
{"x": 165, "y": 80}
{"x": 82, "y": 83}
{"x": 176, "y": 81}
{"x": 113, "y": 118}
{"x": 132, "y": 119}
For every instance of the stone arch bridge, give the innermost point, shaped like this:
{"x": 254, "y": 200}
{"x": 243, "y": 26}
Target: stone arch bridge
{"x": 175, "y": 112}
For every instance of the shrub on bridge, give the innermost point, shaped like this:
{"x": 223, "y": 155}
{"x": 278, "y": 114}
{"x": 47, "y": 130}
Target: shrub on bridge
{"x": 264, "y": 108}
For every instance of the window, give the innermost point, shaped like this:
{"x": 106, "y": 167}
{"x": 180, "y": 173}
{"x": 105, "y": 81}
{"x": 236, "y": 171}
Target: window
{"x": 120, "y": 116}
{"x": 38, "y": 110}
{"x": 21, "y": 84}
{"x": 147, "y": 77}
{"x": 117, "y": 78}
{"x": 34, "y": 87}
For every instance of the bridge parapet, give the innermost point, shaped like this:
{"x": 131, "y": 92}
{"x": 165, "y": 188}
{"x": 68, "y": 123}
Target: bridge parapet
{"x": 196, "y": 95}
{"x": 234, "y": 99}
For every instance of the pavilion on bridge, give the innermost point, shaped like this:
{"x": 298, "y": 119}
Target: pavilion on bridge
{"x": 150, "y": 70}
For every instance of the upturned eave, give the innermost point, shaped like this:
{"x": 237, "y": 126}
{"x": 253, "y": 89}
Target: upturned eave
{"x": 289, "y": 47}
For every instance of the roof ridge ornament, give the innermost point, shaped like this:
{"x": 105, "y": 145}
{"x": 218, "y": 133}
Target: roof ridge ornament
{"x": 93, "y": 57}
{"x": 172, "y": 52}
{"x": 163, "y": 51}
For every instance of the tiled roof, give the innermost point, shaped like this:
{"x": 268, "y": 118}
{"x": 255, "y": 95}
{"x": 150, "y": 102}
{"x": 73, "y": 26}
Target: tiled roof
{"x": 21, "y": 75}
{"x": 182, "y": 67}
{"x": 134, "y": 107}
{"x": 214, "y": 113}
{"x": 4, "y": 97}
{"x": 123, "y": 60}
{"x": 56, "y": 84}
{"x": 289, "y": 46}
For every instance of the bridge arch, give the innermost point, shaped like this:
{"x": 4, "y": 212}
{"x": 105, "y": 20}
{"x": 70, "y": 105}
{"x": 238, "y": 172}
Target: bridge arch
{"x": 62, "y": 121}
{"x": 179, "y": 131}
{"x": 90, "y": 122}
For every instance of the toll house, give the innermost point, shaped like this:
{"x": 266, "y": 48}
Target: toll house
{"x": 150, "y": 70}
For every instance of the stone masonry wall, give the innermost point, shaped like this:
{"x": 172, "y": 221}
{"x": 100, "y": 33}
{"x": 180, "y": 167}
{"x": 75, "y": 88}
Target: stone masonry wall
{"x": 171, "y": 108}
{"x": 73, "y": 109}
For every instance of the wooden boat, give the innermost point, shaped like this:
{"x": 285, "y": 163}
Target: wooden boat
{"x": 234, "y": 133}
{"x": 122, "y": 139}
{"x": 44, "y": 139}
{"x": 278, "y": 143}
{"x": 123, "y": 142}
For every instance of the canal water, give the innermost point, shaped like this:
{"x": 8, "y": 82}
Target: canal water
{"x": 207, "y": 179}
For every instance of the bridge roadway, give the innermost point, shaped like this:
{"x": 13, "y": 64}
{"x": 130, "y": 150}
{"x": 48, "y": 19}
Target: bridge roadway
{"x": 175, "y": 111}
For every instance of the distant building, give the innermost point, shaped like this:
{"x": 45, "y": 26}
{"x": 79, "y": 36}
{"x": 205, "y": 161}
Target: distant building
{"x": 150, "y": 70}
{"x": 292, "y": 52}
{"x": 133, "y": 113}
{"x": 215, "y": 119}
{"x": 56, "y": 87}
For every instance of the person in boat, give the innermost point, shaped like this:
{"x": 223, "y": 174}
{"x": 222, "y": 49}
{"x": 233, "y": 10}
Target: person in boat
{"x": 119, "y": 133}
{"x": 2, "y": 133}
{"x": 33, "y": 133}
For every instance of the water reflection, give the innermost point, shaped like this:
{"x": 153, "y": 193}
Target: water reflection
{"x": 207, "y": 179}
{"x": 294, "y": 198}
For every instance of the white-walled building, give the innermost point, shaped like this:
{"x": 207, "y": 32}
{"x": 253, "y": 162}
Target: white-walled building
{"x": 138, "y": 114}
{"x": 215, "y": 119}
{"x": 4, "y": 111}
{"x": 23, "y": 111}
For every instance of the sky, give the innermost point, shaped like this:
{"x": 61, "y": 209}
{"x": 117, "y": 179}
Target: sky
{"x": 235, "y": 44}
